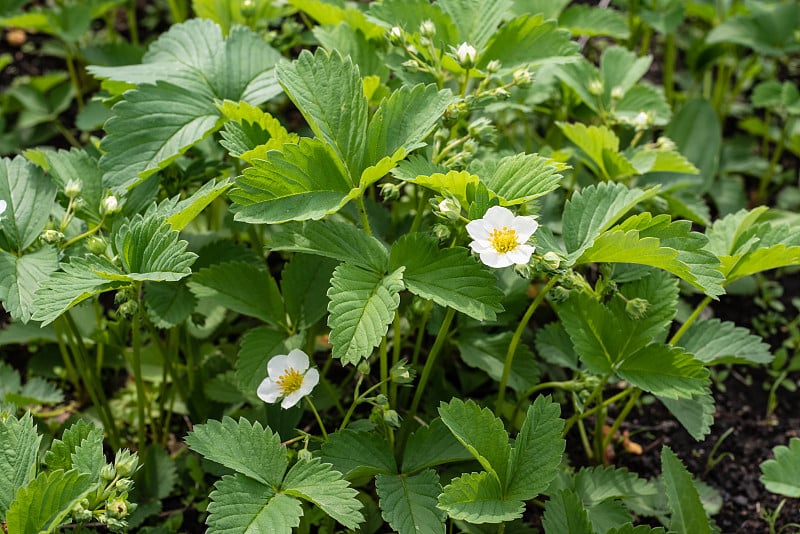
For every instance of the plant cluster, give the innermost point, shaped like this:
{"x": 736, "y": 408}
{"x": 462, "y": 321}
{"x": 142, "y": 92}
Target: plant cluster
{"x": 401, "y": 265}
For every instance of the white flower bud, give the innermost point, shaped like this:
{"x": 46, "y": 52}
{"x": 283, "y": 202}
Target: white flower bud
{"x": 466, "y": 55}
{"x": 617, "y": 93}
{"x": 73, "y": 188}
{"x": 396, "y": 35}
{"x": 522, "y": 77}
{"x": 3, "y": 206}
{"x": 110, "y": 204}
{"x": 596, "y": 87}
{"x": 427, "y": 29}
{"x": 493, "y": 66}
{"x": 641, "y": 121}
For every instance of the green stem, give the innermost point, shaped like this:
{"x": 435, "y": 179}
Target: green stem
{"x": 396, "y": 348}
{"x": 384, "y": 363}
{"x": 73, "y": 76}
{"x": 177, "y": 12}
{"x": 72, "y": 374}
{"x": 423, "y": 323}
{"x": 432, "y": 355}
{"x": 136, "y": 342}
{"x": 568, "y": 385}
{"x": 319, "y": 419}
{"x": 133, "y": 24}
{"x": 670, "y": 54}
{"x": 766, "y": 179}
{"x": 422, "y": 197}
{"x": 357, "y": 398}
{"x": 692, "y": 318}
{"x": 620, "y": 418}
{"x": 512, "y": 347}
{"x": 362, "y": 211}
{"x": 84, "y": 235}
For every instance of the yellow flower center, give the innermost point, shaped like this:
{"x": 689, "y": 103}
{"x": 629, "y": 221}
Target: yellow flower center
{"x": 290, "y": 381}
{"x": 504, "y": 239}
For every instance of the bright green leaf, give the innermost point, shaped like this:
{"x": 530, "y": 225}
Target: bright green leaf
{"x": 150, "y": 250}
{"x": 25, "y": 189}
{"x": 319, "y": 484}
{"x": 478, "y": 498}
{"x": 781, "y": 474}
{"x": 687, "y": 513}
{"x": 665, "y": 371}
{"x": 528, "y": 40}
{"x": 250, "y": 132}
{"x": 44, "y": 504}
{"x": 240, "y": 505}
{"x": 523, "y": 177}
{"x": 168, "y": 304}
{"x": 19, "y": 445}
{"x": 593, "y": 21}
{"x": 600, "y": 145}
{"x": 564, "y": 512}
{"x": 21, "y": 276}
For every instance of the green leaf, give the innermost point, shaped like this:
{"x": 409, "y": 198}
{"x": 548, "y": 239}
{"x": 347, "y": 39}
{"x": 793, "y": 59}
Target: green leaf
{"x": 36, "y": 391}
{"x": 257, "y": 347}
{"x": 242, "y": 287}
{"x": 564, "y": 512}
{"x": 523, "y": 177}
{"x": 88, "y": 456}
{"x": 408, "y": 503}
{"x": 647, "y": 160}
{"x": 481, "y": 433}
{"x": 409, "y": 15}
{"x": 150, "y": 250}
{"x": 528, "y": 40}
{"x": 449, "y": 277}
{"x": 60, "y": 454}
{"x": 19, "y": 445}
{"x": 620, "y": 67}
{"x": 695, "y": 413}
{"x": 157, "y": 474}
{"x": 359, "y": 454}
{"x": 478, "y": 498}
{"x": 301, "y": 182}
{"x": 600, "y": 146}
{"x": 350, "y": 41}
{"x": 782, "y": 474}
{"x": 362, "y": 306}
{"x": 628, "y": 528}
{"x": 404, "y": 120}
{"x": 715, "y": 342}
{"x": 21, "y": 276}
{"x": 229, "y": 14}
{"x": 476, "y": 22}
{"x": 592, "y": 22}
{"x": 687, "y": 513}
{"x": 240, "y": 505}
{"x": 488, "y": 353}
{"x": 251, "y": 450}
{"x": 593, "y": 210}
{"x": 66, "y": 165}
{"x": 304, "y": 281}
{"x": 643, "y": 99}
{"x": 340, "y": 241}
{"x": 80, "y": 279}
{"x": 250, "y": 132}
{"x": 431, "y": 446}
{"x": 25, "y": 189}
{"x": 665, "y": 371}
{"x": 555, "y": 346}
{"x": 329, "y": 93}
{"x": 597, "y": 484}
{"x": 168, "y": 304}
{"x": 768, "y": 30}
{"x": 452, "y": 183}
{"x": 537, "y": 451}
{"x": 44, "y": 504}
{"x": 319, "y": 484}
{"x": 332, "y": 13}
{"x": 179, "y": 213}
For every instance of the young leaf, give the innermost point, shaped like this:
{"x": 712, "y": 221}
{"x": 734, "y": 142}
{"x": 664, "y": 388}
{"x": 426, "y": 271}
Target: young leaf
{"x": 481, "y": 433}
{"x": 21, "y": 276}
{"x": 329, "y": 93}
{"x": 60, "y": 454}
{"x": 362, "y": 306}
{"x": 251, "y": 450}
{"x": 715, "y": 342}
{"x": 332, "y": 14}
{"x": 180, "y": 213}
{"x": 695, "y": 413}
{"x": 410, "y": 14}
{"x": 319, "y": 484}
{"x": 88, "y": 456}
{"x": 340, "y": 241}
{"x": 45, "y": 503}
{"x": 488, "y": 353}
{"x": 601, "y": 146}
{"x": 537, "y": 451}
{"x": 523, "y": 177}
{"x": 359, "y": 454}
{"x": 592, "y": 21}
{"x": 241, "y": 504}
{"x": 26, "y": 190}
{"x": 453, "y": 183}
{"x": 431, "y": 446}
{"x": 150, "y": 250}
{"x": 564, "y": 512}
{"x": 643, "y": 99}
{"x": 528, "y": 40}
{"x": 449, "y": 277}
{"x": 597, "y": 484}
{"x": 250, "y": 132}
{"x": 782, "y": 474}
{"x": 19, "y": 444}
{"x": 408, "y": 503}
{"x": 478, "y": 498}
{"x": 665, "y": 371}
{"x": 257, "y": 347}
{"x": 687, "y": 513}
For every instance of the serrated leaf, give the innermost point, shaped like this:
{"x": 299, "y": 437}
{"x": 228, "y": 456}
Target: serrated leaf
{"x": 25, "y": 190}
{"x": 648, "y": 160}
{"x": 628, "y": 528}
{"x": 695, "y": 413}
{"x": 687, "y": 513}
{"x": 449, "y": 277}
{"x": 361, "y": 307}
{"x": 45, "y": 503}
{"x": 156, "y": 475}
{"x": 431, "y": 446}
{"x": 300, "y": 182}
{"x": 21, "y": 276}
{"x": 88, "y": 456}
{"x": 564, "y": 512}
{"x": 19, "y": 444}
{"x": 523, "y": 177}
{"x": 257, "y": 347}
{"x": 251, "y": 450}
{"x": 478, "y": 498}
{"x": 452, "y": 183}
{"x": 179, "y": 213}
{"x": 600, "y": 145}
{"x": 665, "y": 371}
{"x": 768, "y": 31}
{"x": 481, "y": 433}
{"x": 328, "y": 92}
{"x": 228, "y": 14}
{"x": 592, "y": 21}
{"x": 595, "y": 209}
{"x": 326, "y": 488}
{"x": 350, "y": 41}
{"x": 488, "y": 353}
{"x": 332, "y": 14}
{"x": 64, "y": 165}
{"x": 409, "y": 15}
{"x": 36, "y": 390}
{"x": 476, "y": 21}
{"x": 168, "y": 304}
{"x": 150, "y": 249}
{"x": 781, "y": 474}
{"x": 250, "y": 132}
{"x": 408, "y": 503}
{"x": 537, "y": 451}
{"x": 241, "y": 287}
{"x": 304, "y": 281}
{"x": 358, "y": 454}
{"x": 597, "y": 484}
{"x": 340, "y": 241}
{"x": 240, "y": 505}
{"x": 529, "y": 40}
{"x": 643, "y": 99}
{"x": 715, "y": 342}
{"x": 554, "y": 345}
{"x": 60, "y": 454}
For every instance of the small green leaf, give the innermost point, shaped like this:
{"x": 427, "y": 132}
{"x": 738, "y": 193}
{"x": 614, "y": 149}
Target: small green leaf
{"x": 19, "y": 444}
{"x": 242, "y": 505}
{"x": 687, "y": 513}
{"x": 665, "y": 371}
{"x": 768, "y": 30}
{"x": 660, "y": 160}
{"x": 88, "y": 456}
{"x": 168, "y": 303}
{"x": 597, "y": 484}
{"x": 408, "y": 503}
{"x": 695, "y": 413}
{"x": 257, "y": 347}
{"x": 332, "y": 14}
{"x": 229, "y": 14}
{"x": 643, "y": 99}
{"x": 180, "y": 213}
{"x": 478, "y": 498}
{"x": 481, "y": 433}
{"x": 715, "y": 342}
{"x": 600, "y": 145}
{"x": 150, "y": 250}
{"x": 67, "y": 165}
{"x": 593, "y": 21}
{"x": 21, "y": 277}
{"x": 26, "y": 190}
{"x": 250, "y": 132}
{"x": 359, "y": 454}
{"x": 523, "y": 177}
{"x": 60, "y": 454}
{"x": 488, "y": 353}
{"x": 251, "y": 450}
{"x": 361, "y": 307}
{"x": 319, "y": 484}
{"x": 431, "y": 446}
{"x": 157, "y": 473}
{"x": 409, "y": 15}
{"x": 564, "y": 512}
{"x": 781, "y": 474}
{"x": 453, "y": 183}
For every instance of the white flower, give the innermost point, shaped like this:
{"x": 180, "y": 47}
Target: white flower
{"x": 641, "y": 121}
{"x": 500, "y": 237}
{"x": 289, "y": 377}
{"x": 466, "y": 55}
{"x": 427, "y": 29}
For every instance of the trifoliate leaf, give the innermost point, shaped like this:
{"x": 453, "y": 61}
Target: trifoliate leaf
{"x": 687, "y": 513}
{"x": 358, "y": 454}
{"x": 26, "y": 190}
{"x": 21, "y": 276}
{"x": 478, "y": 498}
{"x": 150, "y": 250}
{"x": 665, "y": 371}
{"x": 242, "y": 505}
{"x": 408, "y": 503}
{"x": 361, "y": 307}
{"x": 19, "y": 444}
{"x": 695, "y": 413}
{"x": 44, "y": 504}
{"x": 251, "y": 450}
{"x": 60, "y": 454}
{"x": 326, "y": 488}
{"x": 781, "y": 474}
{"x": 88, "y": 456}
{"x": 715, "y": 342}
{"x": 431, "y": 446}
{"x": 488, "y": 353}
{"x": 564, "y": 512}
{"x": 180, "y": 213}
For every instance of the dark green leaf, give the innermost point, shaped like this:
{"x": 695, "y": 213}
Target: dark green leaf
{"x": 408, "y": 503}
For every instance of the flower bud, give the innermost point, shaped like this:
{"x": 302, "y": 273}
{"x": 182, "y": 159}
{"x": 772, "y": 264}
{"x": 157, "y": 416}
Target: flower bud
{"x": 73, "y": 188}
{"x": 596, "y": 87}
{"x": 126, "y": 462}
{"x": 117, "y": 508}
{"x": 617, "y": 93}
{"x": 123, "y": 485}
{"x": 96, "y": 245}
{"x": 390, "y": 191}
{"x": 441, "y": 231}
{"x": 396, "y": 36}
{"x": 3, "y": 206}
{"x": 552, "y": 260}
{"x": 402, "y": 373}
{"x": 305, "y": 455}
{"x": 247, "y": 8}
{"x": 391, "y": 418}
{"x": 110, "y": 204}
{"x": 636, "y": 308}
{"x": 522, "y": 77}
{"x": 52, "y": 236}
{"x": 449, "y": 208}
{"x": 466, "y": 55}
{"x": 410, "y": 65}
{"x": 665, "y": 143}
{"x": 642, "y": 121}
{"x": 363, "y": 367}
{"x": 427, "y": 29}
{"x": 108, "y": 472}
{"x": 382, "y": 400}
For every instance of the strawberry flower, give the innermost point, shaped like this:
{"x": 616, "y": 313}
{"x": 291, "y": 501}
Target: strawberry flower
{"x": 289, "y": 378}
{"x": 500, "y": 237}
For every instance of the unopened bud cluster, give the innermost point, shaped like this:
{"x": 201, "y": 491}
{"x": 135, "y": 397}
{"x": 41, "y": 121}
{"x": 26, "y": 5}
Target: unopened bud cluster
{"x": 109, "y": 504}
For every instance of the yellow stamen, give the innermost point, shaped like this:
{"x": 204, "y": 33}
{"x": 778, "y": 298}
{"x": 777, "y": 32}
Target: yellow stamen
{"x": 503, "y": 240}
{"x": 290, "y": 381}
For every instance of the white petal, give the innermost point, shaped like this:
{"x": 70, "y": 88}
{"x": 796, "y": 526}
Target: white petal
{"x": 493, "y": 259}
{"x": 477, "y": 229}
{"x": 521, "y": 254}
{"x": 524, "y": 227}
{"x": 291, "y": 399}
{"x": 268, "y": 391}
{"x": 498, "y": 217}
{"x": 277, "y": 365}
{"x": 297, "y": 360}
{"x": 3, "y": 206}
{"x": 480, "y": 246}
{"x": 310, "y": 380}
